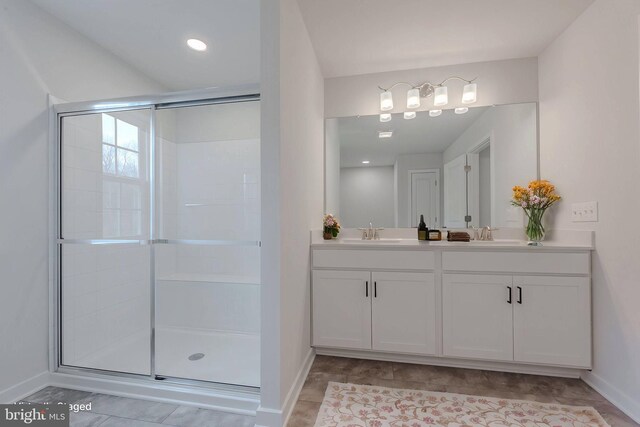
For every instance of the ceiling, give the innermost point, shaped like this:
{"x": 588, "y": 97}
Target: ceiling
{"x": 359, "y": 136}
{"x": 151, "y": 36}
{"x": 370, "y": 36}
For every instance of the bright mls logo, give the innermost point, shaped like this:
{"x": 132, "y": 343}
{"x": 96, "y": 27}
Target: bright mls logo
{"x": 34, "y": 415}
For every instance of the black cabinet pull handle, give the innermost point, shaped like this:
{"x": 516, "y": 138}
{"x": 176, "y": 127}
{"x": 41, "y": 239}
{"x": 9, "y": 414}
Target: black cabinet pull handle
{"x": 509, "y": 299}
{"x": 519, "y": 295}
{"x": 366, "y": 289}
{"x": 375, "y": 289}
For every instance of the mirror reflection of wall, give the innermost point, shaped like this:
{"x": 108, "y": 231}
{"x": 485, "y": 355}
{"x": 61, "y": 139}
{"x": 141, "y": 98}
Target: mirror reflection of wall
{"x": 455, "y": 169}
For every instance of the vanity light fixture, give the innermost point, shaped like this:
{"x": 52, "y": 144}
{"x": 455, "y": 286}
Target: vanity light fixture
{"x": 386, "y": 101}
{"x": 365, "y": 162}
{"x": 439, "y": 92}
{"x": 408, "y": 115}
{"x": 461, "y": 110}
{"x": 197, "y": 44}
{"x": 413, "y": 98}
{"x": 385, "y": 134}
{"x": 441, "y": 96}
{"x": 469, "y": 93}
{"x": 434, "y": 113}
{"x": 385, "y": 117}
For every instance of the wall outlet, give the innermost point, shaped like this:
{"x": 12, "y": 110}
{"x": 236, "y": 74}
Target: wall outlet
{"x": 584, "y": 212}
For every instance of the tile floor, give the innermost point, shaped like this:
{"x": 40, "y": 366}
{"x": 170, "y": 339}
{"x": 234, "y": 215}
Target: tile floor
{"x": 453, "y": 380}
{"x": 113, "y": 411}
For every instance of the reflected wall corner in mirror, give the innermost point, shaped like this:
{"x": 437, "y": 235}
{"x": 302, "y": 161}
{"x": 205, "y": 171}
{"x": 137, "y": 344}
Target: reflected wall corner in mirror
{"x": 457, "y": 168}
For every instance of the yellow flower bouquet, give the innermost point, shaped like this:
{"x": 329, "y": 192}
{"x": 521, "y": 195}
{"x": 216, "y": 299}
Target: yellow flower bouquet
{"x": 535, "y": 199}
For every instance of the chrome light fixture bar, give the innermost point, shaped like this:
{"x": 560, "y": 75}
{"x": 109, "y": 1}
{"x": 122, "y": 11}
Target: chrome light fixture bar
{"x": 425, "y": 90}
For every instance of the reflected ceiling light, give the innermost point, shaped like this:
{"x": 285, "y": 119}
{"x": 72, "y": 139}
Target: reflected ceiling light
{"x": 413, "y": 98}
{"x": 386, "y": 101}
{"x": 385, "y": 117}
{"x": 440, "y": 97}
{"x": 408, "y": 115}
{"x": 461, "y": 110}
{"x": 470, "y": 93}
{"x": 435, "y": 113}
{"x": 196, "y": 44}
{"x": 365, "y": 162}
{"x": 385, "y": 134}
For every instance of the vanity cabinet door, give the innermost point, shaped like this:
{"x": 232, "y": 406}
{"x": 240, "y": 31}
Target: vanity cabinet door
{"x": 404, "y": 312}
{"x": 342, "y": 309}
{"x": 477, "y": 316}
{"x": 551, "y": 318}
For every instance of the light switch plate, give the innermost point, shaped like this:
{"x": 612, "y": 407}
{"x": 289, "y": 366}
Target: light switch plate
{"x": 584, "y": 212}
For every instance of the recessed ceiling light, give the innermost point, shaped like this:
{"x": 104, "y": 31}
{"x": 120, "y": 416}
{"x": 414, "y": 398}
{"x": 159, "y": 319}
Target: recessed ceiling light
{"x": 385, "y": 134}
{"x": 196, "y": 44}
{"x": 365, "y": 162}
{"x": 461, "y": 110}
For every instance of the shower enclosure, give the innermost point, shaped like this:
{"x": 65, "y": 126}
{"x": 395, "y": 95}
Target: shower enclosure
{"x": 158, "y": 252}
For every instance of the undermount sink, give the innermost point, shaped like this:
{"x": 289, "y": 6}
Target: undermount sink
{"x": 354, "y": 240}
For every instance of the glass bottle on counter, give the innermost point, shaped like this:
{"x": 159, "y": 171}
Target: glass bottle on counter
{"x": 423, "y": 231}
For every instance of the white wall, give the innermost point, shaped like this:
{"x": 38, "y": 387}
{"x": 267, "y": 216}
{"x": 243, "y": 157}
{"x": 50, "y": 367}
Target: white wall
{"x": 405, "y": 163}
{"x": 367, "y": 195}
{"x": 332, "y": 168}
{"x": 499, "y": 82}
{"x": 39, "y": 56}
{"x": 589, "y": 137}
{"x": 292, "y": 189}
{"x": 513, "y": 133}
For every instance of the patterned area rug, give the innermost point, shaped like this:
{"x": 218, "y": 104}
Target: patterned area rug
{"x": 351, "y": 405}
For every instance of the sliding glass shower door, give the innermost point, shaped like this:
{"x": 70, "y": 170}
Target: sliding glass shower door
{"x": 105, "y": 270}
{"x": 207, "y": 314}
{"x": 159, "y": 241}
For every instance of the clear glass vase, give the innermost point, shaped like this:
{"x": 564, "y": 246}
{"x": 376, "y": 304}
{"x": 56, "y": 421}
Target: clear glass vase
{"x": 535, "y": 230}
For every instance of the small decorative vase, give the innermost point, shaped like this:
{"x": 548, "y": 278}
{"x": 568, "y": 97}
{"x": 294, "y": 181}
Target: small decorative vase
{"x": 535, "y": 230}
{"x": 327, "y": 235}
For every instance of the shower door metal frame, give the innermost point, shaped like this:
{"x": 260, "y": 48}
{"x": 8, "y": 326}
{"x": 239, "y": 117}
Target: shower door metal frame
{"x": 212, "y": 96}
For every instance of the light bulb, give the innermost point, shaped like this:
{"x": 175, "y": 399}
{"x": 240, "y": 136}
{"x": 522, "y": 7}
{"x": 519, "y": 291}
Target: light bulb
{"x": 413, "y": 98}
{"x": 470, "y": 93}
{"x": 196, "y": 44}
{"x": 385, "y": 134}
{"x": 385, "y": 117}
{"x": 441, "y": 97}
{"x": 461, "y": 110}
{"x": 435, "y": 113}
{"x": 386, "y": 101}
{"x": 410, "y": 115}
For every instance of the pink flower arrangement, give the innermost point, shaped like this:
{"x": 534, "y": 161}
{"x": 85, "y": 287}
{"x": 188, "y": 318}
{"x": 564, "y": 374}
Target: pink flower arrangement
{"x": 331, "y": 225}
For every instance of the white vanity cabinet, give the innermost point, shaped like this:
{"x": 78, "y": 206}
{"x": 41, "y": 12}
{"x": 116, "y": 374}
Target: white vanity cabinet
{"x": 341, "y": 309}
{"x": 385, "y": 311}
{"x": 477, "y": 318}
{"x": 523, "y": 309}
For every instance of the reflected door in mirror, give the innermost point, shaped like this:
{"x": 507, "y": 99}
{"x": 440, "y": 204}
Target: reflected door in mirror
{"x": 424, "y": 198}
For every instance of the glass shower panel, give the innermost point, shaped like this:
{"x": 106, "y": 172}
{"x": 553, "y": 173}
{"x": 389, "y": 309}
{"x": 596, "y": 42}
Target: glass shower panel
{"x": 207, "y": 317}
{"x": 105, "y": 258}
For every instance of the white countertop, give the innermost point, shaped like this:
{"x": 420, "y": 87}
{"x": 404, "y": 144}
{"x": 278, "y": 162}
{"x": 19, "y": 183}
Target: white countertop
{"x": 401, "y": 238}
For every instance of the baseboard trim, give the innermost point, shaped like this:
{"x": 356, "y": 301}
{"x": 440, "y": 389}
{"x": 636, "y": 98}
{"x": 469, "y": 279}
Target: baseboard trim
{"x": 237, "y": 402}
{"x": 296, "y": 388}
{"x": 621, "y": 400}
{"x": 519, "y": 368}
{"x": 21, "y": 390}
{"x": 269, "y": 417}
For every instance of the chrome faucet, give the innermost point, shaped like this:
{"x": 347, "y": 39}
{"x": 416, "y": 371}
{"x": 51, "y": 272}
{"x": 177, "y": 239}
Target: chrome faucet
{"x": 485, "y": 234}
{"x": 370, "y": 233}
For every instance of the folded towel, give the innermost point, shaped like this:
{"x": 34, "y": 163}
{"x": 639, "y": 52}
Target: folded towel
{"x": 458, "y": 236}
